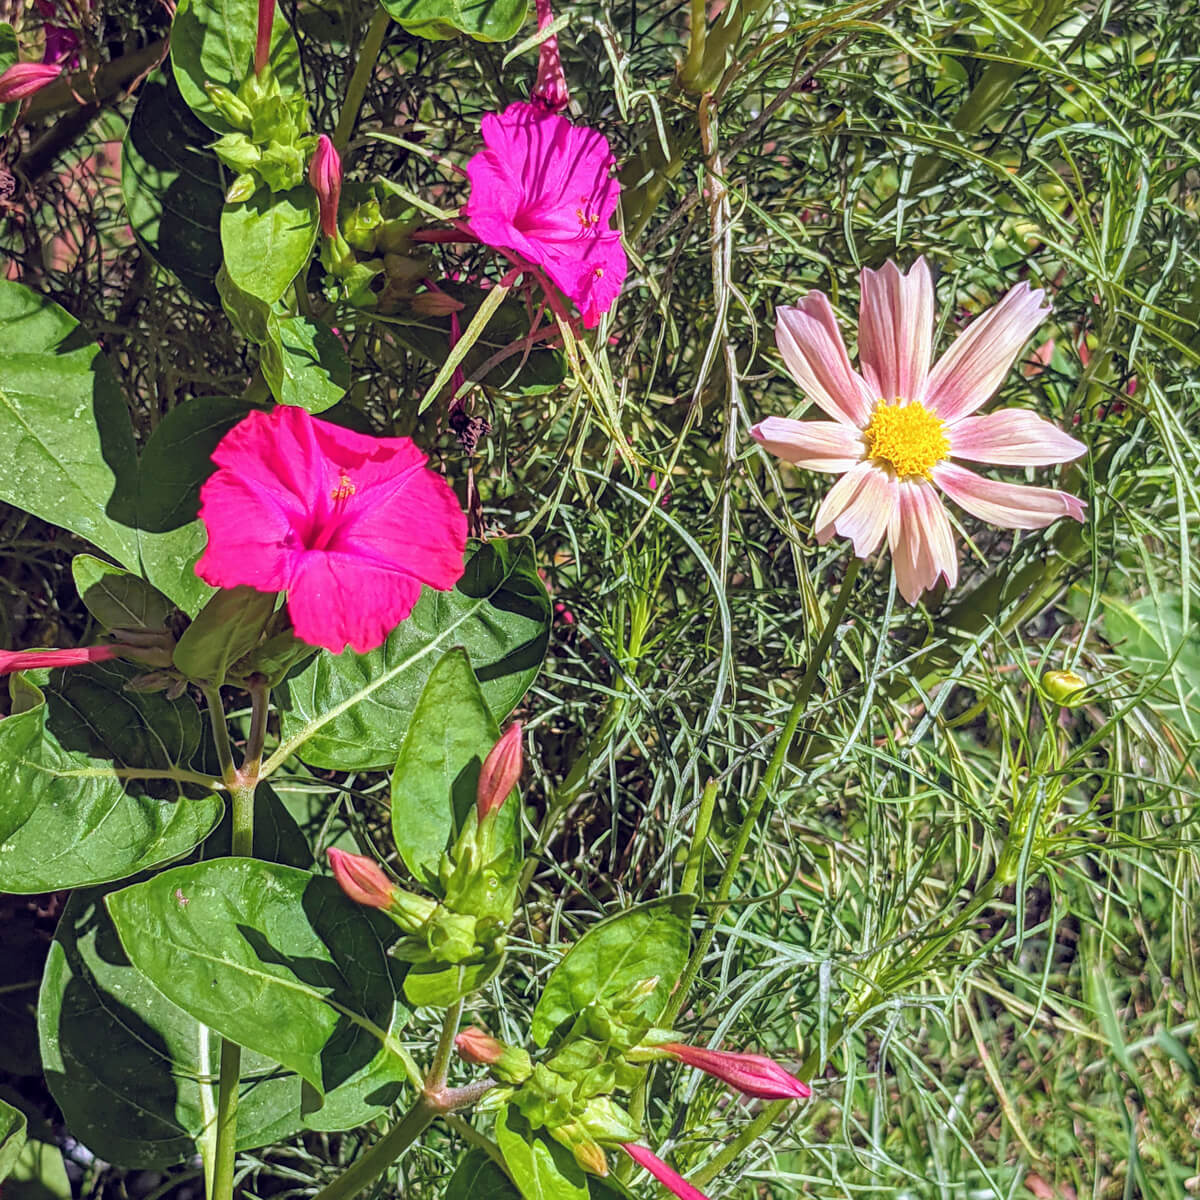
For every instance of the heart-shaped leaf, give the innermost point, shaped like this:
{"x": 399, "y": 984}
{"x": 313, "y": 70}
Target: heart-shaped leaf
{"x": 483, "y": 20}
{"x": 269, "y": 239}
{"x": 117, "y": 598}
{"x": 12, "y": 1137}
{"x": 304, "y": 363}
{"x": 541, "y": 1168}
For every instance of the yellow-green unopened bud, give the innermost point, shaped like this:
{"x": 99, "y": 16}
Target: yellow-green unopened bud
{"x": 1065, "y": 687}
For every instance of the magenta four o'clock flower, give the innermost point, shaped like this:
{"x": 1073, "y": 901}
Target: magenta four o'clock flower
{"x": 350, "y": 526}
{"x": 897, "y": 423}
{"x": 543, "y": 189}
{"x": 752, "y": 1074}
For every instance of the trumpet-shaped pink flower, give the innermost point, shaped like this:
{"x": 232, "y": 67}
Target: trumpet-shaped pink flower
{"x": 752, "y": 1074}
{"x": 350, "y": 526}
{"x": 543, "y": 188}
{"x": 897, "y": 423}
{"x": 30, "y": 660}
{"x": 24, "y": 78}
{"x": 672, "y": 1181}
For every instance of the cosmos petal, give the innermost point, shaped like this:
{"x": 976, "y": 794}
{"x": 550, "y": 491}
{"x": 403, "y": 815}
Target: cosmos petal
{"x": 814, "y": 352}
{"x": 895, "y": 330}
{"x": 1012, "y": 437}
{"x": 1009, "y": 505}
{"x": 814, "y": 445}
{"x": 921, "y": 541}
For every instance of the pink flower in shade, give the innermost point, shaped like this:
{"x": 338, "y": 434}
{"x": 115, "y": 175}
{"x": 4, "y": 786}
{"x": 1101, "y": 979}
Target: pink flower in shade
{"x": 361, "y": 878}
{"x": 350, "y": 526}
{"x": 325, "y": 175}
{"x": 62, "y": 42}
{"x": 30, "y": 660}
{"x": 24, "y": 78}
{"x": 674, "y": 1183}
{"x": 543, "y": 188}
{"x": 752, "y": 1074}
{"x": 897, "y": 423}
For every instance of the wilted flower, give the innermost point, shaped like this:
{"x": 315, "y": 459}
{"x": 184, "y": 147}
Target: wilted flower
{"x": 752, "y": 1074}
{"x": 325, "y": 175}
{"x": 500, "y": 771}
{"x": 24, "y": 78}
{"x": 897, "y": 424}
{"x": 543, "y": 188}
{"x": 669, "y": 1179}
{"x": 349, "y": 525}
{"x": 361, "y": 878}
{"x": 550, "y": 87}
{"x": 30, "y": 660}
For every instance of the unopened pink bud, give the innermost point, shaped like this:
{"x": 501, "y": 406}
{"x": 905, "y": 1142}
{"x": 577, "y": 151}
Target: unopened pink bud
{"x": 24, "y": 78}
{"x": 669, "y": 1179}
{"x": 475, "y": 1046}
{"x": 751, "y": 1074}
{"x": 550, "y": 87}
{"x": 262, "y": 43}
{"x": 29, "y": 660}
{"x": 325, "y": 174}
{"x": 361, "y": 878}
{"x": 500, "y": 771}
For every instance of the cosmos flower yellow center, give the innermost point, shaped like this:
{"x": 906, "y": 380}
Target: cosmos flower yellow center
{"x": 907, "y": 437}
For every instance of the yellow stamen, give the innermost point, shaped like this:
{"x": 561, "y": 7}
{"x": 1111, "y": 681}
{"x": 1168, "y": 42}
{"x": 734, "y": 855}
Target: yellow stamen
{"x": 345, "y": 487}
{"x": 907, "y": 437}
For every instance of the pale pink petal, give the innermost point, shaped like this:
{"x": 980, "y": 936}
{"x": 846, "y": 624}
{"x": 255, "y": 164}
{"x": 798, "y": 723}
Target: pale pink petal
{"x": 968, "y": 374}
{"x": 839, "y": 498}
{"x": 921, "y": 541}
{"x": 814, "y": 445}
{"x": 895, "y": 330}
{"x": 1012, "y": 437}
{"x": 813, "y": 351}
{"x": 1009, "y": 505}
{"x": 864, "y": 517}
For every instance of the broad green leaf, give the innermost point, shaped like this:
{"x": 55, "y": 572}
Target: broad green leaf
{"x": 430, "y": 986}
{"x": 269, "y": 239}
{"x": 176, "y": 460}
{"x": 304, "y": 363}
{"x": 134, "y": 1075}
{"x": 9, "y": 53}
{"x": 38, "y": 1174}
{"x": 69, "y": 456}
{"x": 483, "y": 20}
{"x": 540, "y": 1167}
{"x": 212, "y": 41}
{"x": 276, "y": 959}
{"x": 433, "y": 787}
{"x": 350, "y": 711}
{"x": 649, "y": 941}
{"x": 225, "y": 629}
{"x": 174, "y": 186}
{"x": 116, "y": 597}
{"x": 477, "y": 1177}
{"x": 69, "y": 817}
{"x": 12, "y": 1137}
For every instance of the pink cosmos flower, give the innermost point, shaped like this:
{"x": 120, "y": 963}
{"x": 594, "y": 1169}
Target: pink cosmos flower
{"x": 543, "y": 188}
{"x": 24, "y": 78}
{"x": 897, "y": 423}
{"x": 669, "y": 1179}
{"x": 752, "y": 1074}
{"x": 325, "y": 175}
{"x": 350, "y": 526}
{"x": 30, "y": 660}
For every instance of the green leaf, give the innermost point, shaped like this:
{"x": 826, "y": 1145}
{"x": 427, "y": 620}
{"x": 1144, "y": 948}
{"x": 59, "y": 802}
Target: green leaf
{"x": 477, "y": 1177}
{"x": 269, "y": 239}
{"x": 483, "y": 20}
{"x": 174, "y": 186}
{"x": 12, "y": 1137}
{"x": 212, "y": 41}
{"x": 540, "y": 1167}
{"x": 38, "y": 1174}
{"x": 433, "y": 787}
{"x": 227, "y": 627}
{"x": 67, "y": 817}
{"x": 176, "y": 460}
{"x": 116, "y": 597}
{"x": 430, "y": 986}
{"x": 134, "y": 1075}
{"x": 649, "y": 941}
{"x": 350, "y": 711}
{"x": 304, "y": 363}
{"x": 10, "y": 52}
{"x": 69, "y": 455}
{"x": 276, "y": 959}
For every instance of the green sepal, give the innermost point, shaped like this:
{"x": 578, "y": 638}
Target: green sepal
{"x": 227, "y": 628}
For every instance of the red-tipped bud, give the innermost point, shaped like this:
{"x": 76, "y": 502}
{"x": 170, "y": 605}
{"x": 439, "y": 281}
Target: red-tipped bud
{"x": 29, "y": 660}
{"x": 24, "y": 78}
{"x": 500, "y": 772}
{"x": 325, "y": 174}
{"x": 475, "y": 1046}
{"x": 751, "y": 1074}
{"x": 262, "y": 43}
{"x": 361, "y": 878}
{"x": 669, "y": 1179}
{"x": 550, "y": 87}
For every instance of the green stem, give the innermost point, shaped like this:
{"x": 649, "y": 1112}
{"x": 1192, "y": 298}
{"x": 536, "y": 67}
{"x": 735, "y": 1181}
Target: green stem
{"x": 383, "y": 1153}
{"x": 220, "y": 735}
{"x": 435, "y": 1081}
{"x": 765, "y": 789}
{"x": 356, "y": 89}
{"x": 697, "y": 37}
